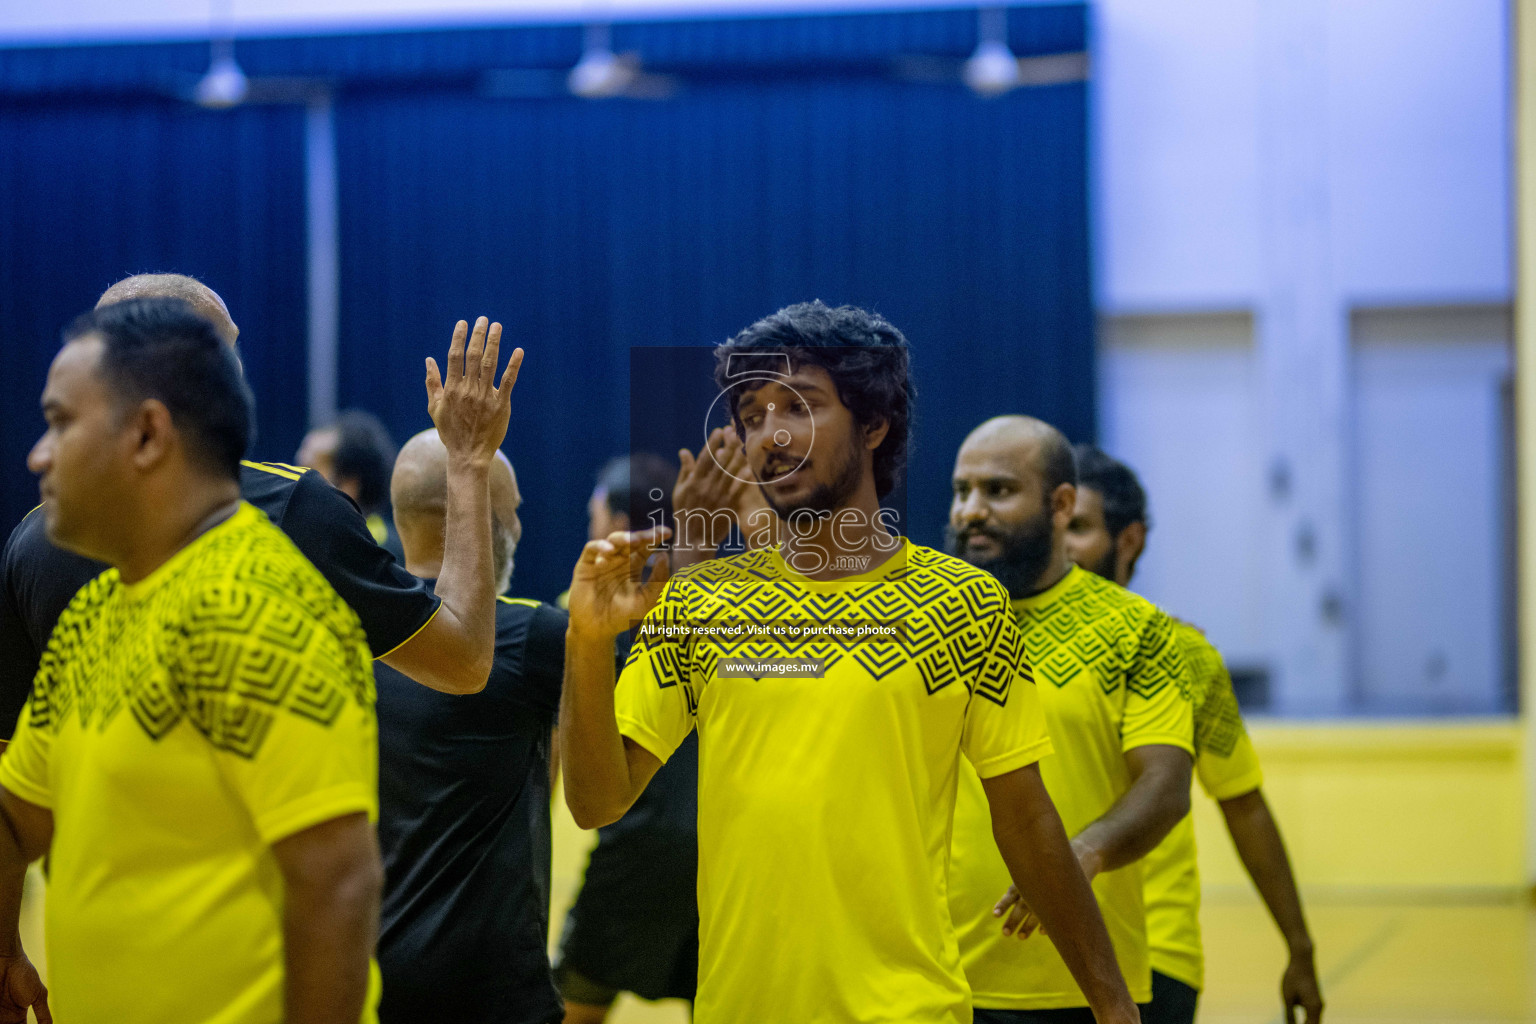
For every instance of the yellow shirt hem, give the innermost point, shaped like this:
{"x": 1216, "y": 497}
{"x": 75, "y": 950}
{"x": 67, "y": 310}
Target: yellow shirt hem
{"x": 992, "y": 767}
{"x": 23, "y": 787}
{"x": 1149, "y": 739}
{"x": 1241, "y": 786}
{"x": 1049, "y": 1000}
{"x": 314, "y": 808}
{"x": 1180, "y": 967}
{"x": 637, "y": 731}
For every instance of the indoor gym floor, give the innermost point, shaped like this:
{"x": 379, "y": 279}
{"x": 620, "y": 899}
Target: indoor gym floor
{"x": 1429, "y": 961}
{"x": 1382, "y": 962}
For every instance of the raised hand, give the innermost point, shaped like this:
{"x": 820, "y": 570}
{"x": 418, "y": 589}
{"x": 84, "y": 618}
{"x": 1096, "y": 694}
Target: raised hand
{"x": 468, "y": 408}
{"x": 20, "y": 987}
{"x": 607, "y": 595}
{"x": 715, "y": 489}
{"x": 708, "y": 491}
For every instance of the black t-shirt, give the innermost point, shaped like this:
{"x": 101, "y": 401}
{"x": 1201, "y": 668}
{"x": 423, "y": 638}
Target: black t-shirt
{"x": 464, "y": 794}
{"x": 38, "y": 580}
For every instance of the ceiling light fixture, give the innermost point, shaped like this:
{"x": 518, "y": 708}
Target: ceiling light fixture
{"x": 601, "y": 73}
{"x": 992, "y": 69}
{"x": 224, "y": 84}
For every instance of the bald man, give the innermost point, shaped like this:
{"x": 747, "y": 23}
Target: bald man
{"x": 1115, "y": 691}
{"x": 205, "y": 302}
{"x": 443, "y": 640}
{"x": 464, "y": 790}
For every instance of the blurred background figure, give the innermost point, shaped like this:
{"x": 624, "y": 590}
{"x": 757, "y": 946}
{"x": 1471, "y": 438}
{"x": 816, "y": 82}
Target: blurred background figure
{"x": 356, "y": 455}
{"x": 1106, "y": 536}
{"x": 634, "y": 926}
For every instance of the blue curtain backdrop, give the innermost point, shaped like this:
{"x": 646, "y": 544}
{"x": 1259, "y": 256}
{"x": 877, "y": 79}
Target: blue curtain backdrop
{"x": 93, "y": 191}
{"x": 588, "y": 228}
{"x": 797, "y": 159}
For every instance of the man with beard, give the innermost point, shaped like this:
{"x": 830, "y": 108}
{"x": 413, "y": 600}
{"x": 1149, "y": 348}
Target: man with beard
{"x": 1113, "y": 686}
{"x": 1107, "y": 535}
{"x": 827, "y": 765}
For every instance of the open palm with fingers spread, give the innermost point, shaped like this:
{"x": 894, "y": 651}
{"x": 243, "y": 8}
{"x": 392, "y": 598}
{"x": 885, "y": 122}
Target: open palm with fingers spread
{"x": 468, "y": 408}
{"x": 608, "y": 590}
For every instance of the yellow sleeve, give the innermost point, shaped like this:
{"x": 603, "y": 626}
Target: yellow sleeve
{"x": 1157, "y": 698}
{"x": 288, "y": 706}
{"x": 24, "y": 766}
{"x": 657, "y": 693}
{"x": 1225, "y": 761}
{"x": 1004, "y": 724}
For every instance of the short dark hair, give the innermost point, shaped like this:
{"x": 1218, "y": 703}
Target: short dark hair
{"x": 366, "y": 453}
{"x": 162, "y": 349}
{"x": 864, "y": 354}
{"x": 628, "y": 483}
{"x": 1125, "y": 502}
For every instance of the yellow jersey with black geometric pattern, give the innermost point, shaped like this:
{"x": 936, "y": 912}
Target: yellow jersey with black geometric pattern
{"x": 1227, "y": 767}
{"x": 178, "y": 727}
{"x": 825, "y": 804}
{"x": 1111, "y": 678}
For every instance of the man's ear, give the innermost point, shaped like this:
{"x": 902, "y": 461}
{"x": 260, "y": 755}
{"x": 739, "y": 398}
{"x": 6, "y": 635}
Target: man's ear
{"x": 875, "y": 433}
{"x": 152, "y": 432}
{"x": 1129, "y": 545}
{"x": 1064, "y": 501}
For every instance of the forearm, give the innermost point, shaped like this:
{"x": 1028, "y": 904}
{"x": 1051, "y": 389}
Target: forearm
{"x": 329, "y": 934}
{"x": 26, "y": 832}
{"x": 1046, "y": 873}
{"x": 1257, "y": 839}
{"x": 13, "y": 874}
{"x": 593, "y": 763}
{"x": 1158, "y": 798}
{"x": 466, "y": 583}
{"x": 1041, "y": 862}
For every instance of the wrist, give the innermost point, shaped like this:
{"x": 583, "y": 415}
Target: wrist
{"x": 470, "y": 462}
{"x": 586, "y": 636}
{"x": 10, "y": 947}
{"x": 1117, "y": 1010}
{"x": 1088, "y": 857}
{"x": 1301, "y": 948}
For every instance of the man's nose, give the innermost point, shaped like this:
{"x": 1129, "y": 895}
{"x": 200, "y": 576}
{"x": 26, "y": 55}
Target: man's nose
{"x": 776, "y": 435}
{"x": 40, "y": 458}
{"x": 971, "y": 510}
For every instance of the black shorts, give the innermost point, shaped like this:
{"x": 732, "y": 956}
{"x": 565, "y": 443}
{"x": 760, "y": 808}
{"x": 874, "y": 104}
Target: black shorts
{"x": 1173, "y": 1002}
{"x": 629, "y": 934}
{"x": 1065, "y": 1015}
{"x": 635, "y": 924}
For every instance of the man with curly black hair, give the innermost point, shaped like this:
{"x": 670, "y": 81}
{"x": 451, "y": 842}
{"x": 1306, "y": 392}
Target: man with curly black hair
{"x": 835, "y": 679}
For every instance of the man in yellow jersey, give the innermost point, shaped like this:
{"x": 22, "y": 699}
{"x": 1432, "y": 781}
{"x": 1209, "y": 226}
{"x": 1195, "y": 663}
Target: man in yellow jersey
{"x": 443, "y": 639}
{"x": 198, "y": 757}
{"x": 1113, "y": 686}
{"x": 1107, "y": 535}
{"x": 827, "y": 762}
